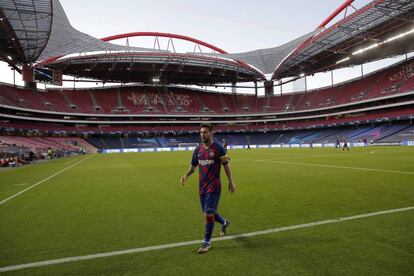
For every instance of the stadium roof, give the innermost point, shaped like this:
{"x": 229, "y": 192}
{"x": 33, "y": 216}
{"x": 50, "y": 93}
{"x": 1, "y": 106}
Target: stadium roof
{"x": 40, "y": 32}
{"x": 160, "y": 67}
{"x": 28, "y": 26}
{"x": 358, "y": 38}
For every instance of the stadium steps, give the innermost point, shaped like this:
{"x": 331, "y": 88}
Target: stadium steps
{"x": 223, "y": 103}
{"x": 158, "y": 142}
{"x": 119, "y": 98}
{"x": 122, "y": 143}
{"x": 278, "y": 138}
{"x": 228, "y": 104}
{"x": 328, "y": 134}
{"x": 161, "y": 91}
{"x": 299, "y": 101}
{"x": 236, "y": 103}
{"x": 295, "y": 99}
{"x": 361, "y": 132}
{"x": 403, "y": 135}
{"x": 342, "y": 132}
{"x": 393, "y": 133}
{"x": 83, "y": 143}
{"x": 176, "y": 105}
{"x": 43, "y": 101}
{"x": 336, "y": 93}
{"x": 203, "y": 106}
{"x": 307, "y": 135}
{"x": 93, "y": 99}
{"x": 147, "y": 104}
{"x": 267, "y": 102}
{"x": 102, "y": 141}
{"x": 68, "y": 101}
{"x": 291, "y": 100}
{"x": 374, "y": 83}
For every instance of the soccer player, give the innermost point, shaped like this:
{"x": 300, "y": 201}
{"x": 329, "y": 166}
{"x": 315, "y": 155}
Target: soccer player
{"x": 248, "y": 142}
{"x": 345, "y": 145}
{"x": 338, "y": 143}
{"x": 209, "y": 156}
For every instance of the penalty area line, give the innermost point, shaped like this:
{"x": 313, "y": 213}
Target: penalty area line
{"x": 187, "y": 243}
{"x": 44, "y": 180}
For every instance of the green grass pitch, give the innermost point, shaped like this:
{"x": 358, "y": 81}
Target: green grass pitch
{"x": 122, "y": 201}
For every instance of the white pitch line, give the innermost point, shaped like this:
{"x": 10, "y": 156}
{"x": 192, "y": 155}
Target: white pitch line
{"x": 44, "y": 180}
{"x": 20, "y": 184}
{"x": 334, "y": 166}
{"x": 181, "y": 244}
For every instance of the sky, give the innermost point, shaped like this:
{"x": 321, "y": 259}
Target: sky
{"x": 234, "y": 26}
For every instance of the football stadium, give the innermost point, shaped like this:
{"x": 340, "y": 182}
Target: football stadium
{"x": 299, "y": 148}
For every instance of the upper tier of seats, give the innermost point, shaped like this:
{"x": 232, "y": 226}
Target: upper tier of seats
{"x": 160, "y": 100}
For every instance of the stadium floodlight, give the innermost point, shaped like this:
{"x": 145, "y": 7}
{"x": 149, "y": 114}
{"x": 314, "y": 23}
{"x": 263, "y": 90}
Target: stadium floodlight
{"x": 399, "y": 36}
{"x": 156, "y": 80}
{"x": 9, "y": 58}
{"x": 383, "y": 42}
{"x": 365, "y": 49}
{"x": 302, "y": 75}
{"x": 343, "y": 60}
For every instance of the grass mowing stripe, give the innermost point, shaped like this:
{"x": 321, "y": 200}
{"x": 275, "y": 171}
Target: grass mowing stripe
{"x": 334, "y": 166}
{"x": 44, "y": 180}
{"x": 181, "y": 244}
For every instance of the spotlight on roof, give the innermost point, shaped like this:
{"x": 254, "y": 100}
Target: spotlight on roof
{"x": 399, "y": 36}
{"x": 302, "y": 75}
{"x": 156, "y": 80}
{"x": 9, "y": 58}
{"x": 343, "y": 60}
{"x": 365, "y": 49}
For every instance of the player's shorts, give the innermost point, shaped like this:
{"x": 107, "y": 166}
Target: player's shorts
{"x": 209, "y": 202}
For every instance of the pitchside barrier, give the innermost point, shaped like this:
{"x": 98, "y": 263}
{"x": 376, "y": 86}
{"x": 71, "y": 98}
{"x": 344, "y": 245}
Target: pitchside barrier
{"x": 316, "y": 145}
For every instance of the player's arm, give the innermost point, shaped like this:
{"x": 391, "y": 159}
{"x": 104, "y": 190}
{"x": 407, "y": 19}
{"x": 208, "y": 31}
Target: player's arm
{"x": 187, "y": 174}
{"x": 226, "y": 164}
{"x": 193, "y": 165}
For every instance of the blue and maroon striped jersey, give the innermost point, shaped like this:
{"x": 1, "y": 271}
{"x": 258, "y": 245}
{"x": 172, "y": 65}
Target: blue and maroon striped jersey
{"x": 209, "y": 165}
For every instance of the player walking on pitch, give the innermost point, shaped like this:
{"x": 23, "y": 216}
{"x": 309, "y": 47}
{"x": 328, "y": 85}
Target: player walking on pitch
{"x": 209, "y": 157}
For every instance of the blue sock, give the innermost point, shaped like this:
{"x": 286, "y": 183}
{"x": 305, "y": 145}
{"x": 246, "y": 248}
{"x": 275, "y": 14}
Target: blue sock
{"x": 209, "y": 228}
{"x": 219, "y": 218}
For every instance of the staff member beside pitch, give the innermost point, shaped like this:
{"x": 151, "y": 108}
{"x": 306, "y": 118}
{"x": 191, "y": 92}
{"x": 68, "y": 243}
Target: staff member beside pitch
{"x": 209, "y": 156}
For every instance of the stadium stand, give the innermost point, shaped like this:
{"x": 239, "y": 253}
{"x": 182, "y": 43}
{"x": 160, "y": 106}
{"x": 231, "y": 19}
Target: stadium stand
{"x": 376, "y": 134}
{"x": 39, "y": 144}
{"x": 394, "y": 80}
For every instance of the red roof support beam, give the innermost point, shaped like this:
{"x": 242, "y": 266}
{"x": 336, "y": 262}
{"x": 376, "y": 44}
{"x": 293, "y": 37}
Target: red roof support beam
{"x": 346, "y": 4}
{"x": 156, "y": 34}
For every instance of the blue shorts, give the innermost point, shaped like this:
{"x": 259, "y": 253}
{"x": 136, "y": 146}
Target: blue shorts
{"x": 209, "y": 202}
